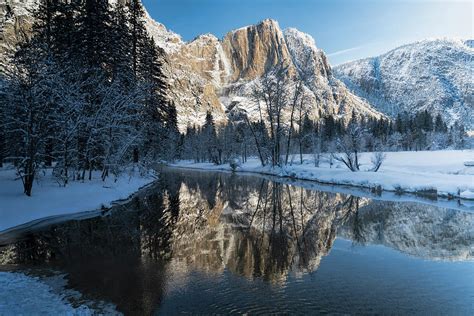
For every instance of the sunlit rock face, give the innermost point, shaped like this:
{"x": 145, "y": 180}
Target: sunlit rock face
{"x": 15, "y": 26}
{"x": 254, "y": 50}
{"x": 195, "y": 70}
{"x": 419, "y": 230}
{"x": 218, "y": 75}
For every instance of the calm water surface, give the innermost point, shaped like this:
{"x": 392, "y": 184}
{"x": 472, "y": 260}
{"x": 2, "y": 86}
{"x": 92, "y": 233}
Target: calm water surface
{"x": 216, "y": 243}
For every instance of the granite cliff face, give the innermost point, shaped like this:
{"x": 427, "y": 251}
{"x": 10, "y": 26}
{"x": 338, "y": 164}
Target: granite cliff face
{"x": 254, "y": 50}
{"x": 217, "y": 75}
{"x": 15, "y": 24}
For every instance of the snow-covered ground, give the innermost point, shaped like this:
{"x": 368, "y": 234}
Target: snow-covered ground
{"x": 443, "y": 171}
{"x": 21, "y": 294}
{"x": 50, "y": 199}
{"x": 24, "y": 295}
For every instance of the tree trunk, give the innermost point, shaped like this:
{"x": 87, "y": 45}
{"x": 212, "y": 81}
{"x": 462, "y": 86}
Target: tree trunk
{"x": 29, "y": 177}
{"x": 135, "y": 155}
{"x": 256, "y": 142}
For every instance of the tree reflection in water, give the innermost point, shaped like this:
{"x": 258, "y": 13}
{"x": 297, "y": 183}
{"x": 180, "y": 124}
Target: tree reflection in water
{"x": 193, "y": 221}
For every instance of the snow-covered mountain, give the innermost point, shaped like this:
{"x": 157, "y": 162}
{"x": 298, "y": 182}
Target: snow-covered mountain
{"x": 433, "y": 75}
{"x": 214, "y": 74}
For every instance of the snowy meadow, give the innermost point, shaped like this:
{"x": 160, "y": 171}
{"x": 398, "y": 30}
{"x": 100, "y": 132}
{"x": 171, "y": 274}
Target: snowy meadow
{"x": 445, "y": 173}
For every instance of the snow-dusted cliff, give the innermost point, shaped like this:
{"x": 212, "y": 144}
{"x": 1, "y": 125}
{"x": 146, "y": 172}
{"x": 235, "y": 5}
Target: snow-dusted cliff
{"x": 214, "y": 74}
{"x": 433, "y": 75}
{"x": 217, "y": 75}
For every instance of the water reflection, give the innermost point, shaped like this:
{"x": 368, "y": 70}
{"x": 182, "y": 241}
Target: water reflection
{"x": 219, "y": 223}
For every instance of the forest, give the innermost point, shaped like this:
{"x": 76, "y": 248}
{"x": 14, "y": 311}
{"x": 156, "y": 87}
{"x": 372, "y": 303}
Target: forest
{"x": 85, "y": 91}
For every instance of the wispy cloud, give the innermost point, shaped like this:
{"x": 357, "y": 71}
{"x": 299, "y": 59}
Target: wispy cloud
{"x": 345, "y": 51}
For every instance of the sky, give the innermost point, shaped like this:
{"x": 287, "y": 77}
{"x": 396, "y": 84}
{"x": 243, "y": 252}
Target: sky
{"x": 345, "y": 29}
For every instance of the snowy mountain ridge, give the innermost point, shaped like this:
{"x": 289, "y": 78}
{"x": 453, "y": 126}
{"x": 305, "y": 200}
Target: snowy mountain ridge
{"x": 214, "y": 74}
{"x": 218, "y": 75}
{"x": 434, "y": 75}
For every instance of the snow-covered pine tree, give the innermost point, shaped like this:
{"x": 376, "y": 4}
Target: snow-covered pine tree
{"x": 29, "y": 105}
{"x": 78, "y": 69}
{"x": 93, "y": 29}
{"x": 173, "y": 145}
{"x": 138, "y": 34}
{"x": 209, "y": 138}
{"x": 155, "y": 104}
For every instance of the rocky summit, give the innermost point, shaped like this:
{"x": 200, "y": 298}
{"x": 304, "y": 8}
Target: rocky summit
{"x": 211, "y": 74}
{"x": 432, "y": 75}
{"x": 214, "y": 74}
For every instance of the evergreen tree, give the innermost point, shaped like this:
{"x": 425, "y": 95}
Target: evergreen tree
{"x": 138, "y": 33}
{"x": 93, "y": 30}
{"x": 90, "y": 84}
{"x": 440, "y": 126}
{"x": 209, "y": 138}
{"x": 306, "y": 131}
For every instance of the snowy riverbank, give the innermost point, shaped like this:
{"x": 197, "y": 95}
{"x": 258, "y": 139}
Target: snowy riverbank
{"x": 24, "y": 295}
{"x": 21, "y": 294}
{"x": 51, "y": 199}
{"x": 429, "y": 172}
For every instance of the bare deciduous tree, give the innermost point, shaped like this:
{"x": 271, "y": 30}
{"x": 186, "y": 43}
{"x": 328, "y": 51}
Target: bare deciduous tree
{"x": 377, "y": 159}
{"x": 349, "y": 146}
{"x": 272, "y": 92}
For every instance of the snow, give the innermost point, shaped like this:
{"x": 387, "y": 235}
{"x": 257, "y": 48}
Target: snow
{"x": 49, "y": 199}
{"x": 433, "y": 75}
{"x": 169, "y": 41}
{"x": 468, "y": 194}
{"x": 411, "y": 172}
{"x": 306, "y": 39}
{"x": 24, "y": 295}
{"x": 221, "y": 56}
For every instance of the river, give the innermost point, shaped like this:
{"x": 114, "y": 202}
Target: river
{"x": 220, "y": 243}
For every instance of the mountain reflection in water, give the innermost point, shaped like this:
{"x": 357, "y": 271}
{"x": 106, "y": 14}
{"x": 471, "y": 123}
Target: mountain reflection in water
{"x": 218, "y": 224}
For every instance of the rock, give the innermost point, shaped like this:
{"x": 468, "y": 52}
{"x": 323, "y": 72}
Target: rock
{"x": 208, "y": 74}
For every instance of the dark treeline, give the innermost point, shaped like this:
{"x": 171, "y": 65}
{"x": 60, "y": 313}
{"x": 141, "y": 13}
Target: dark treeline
{"x": 85, "y": 92}
{"x": 322, "y": 138}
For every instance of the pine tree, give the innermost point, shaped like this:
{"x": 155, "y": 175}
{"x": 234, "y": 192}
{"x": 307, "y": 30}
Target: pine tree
{"x": 440, "y": 126}
{"x": 329, "y": 127}
{"x": 138, "y": 34}
{"x": 307, "y": 130}
{"x": 399, "y": 126}
{"x": 173, "y": 137}
{"x": 209, "y": 138}
{"x": 93, "y": 29}
{"x": 121, "y": 55}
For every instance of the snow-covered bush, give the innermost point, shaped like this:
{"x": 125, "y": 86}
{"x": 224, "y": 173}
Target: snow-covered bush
{"x": 234, "y": 163}
{"x": 60, "y": 175}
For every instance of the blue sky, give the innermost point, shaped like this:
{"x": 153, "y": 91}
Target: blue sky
{"x": 344, "y": 29}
